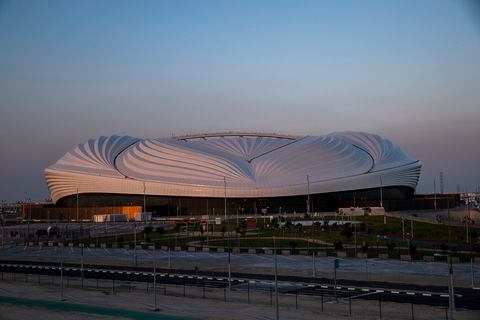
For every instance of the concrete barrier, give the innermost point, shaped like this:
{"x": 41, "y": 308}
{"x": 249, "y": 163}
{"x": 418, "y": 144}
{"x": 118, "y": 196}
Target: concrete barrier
{"x": 267, "y": 251}
{"x": 103, "y": 245}
{"x": 341, "y": 254}
{"x": 304, "y": 253}
{"x": 50, "y": 243}
{"x": 81, "y": 245}
{"x": 250, "y": 250}
{"x": 455, "y": 259}
{"x": 31, "y": 244}
{"x": 383, "y": 256}
{"x": 164, "y": 248}
{"x": 191, "y": 249}
{"x": 285, "y": 252}
{"x": 205, "y": 249}
{"x": 92, "y": 245}
{"x": 363, "y": 255}
{"x": 126, "y": 246}
{"x": 138, "y": 247}
{"x": 177, "y": 248}
{"x": 60, "y": 244}
{"x": 221, "y": 249}
{"x": 70, "y": 244}
{"x": 321, "y": 253}
{"x": 151, "y": 247}
{"x": 405, "y": 257}
{"x": 114, "y": 245}
{"x": 428, "y": 258}
{"x": 236, "y": 250}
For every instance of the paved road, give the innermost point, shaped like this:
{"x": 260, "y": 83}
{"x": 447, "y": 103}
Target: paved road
{"x": 299, "y": 265}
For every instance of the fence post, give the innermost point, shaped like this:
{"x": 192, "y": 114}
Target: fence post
{"x": 349, "y": 303}
{"x": 380, "y": 304}
{"x": 224, "y": 291}
{"x": 446, "y": 309}
{"x": 271, "y": 297}
{"x": 411, "y": 302}
{"x": 321, "y": 294}
{"x": 165, "y": 285}
{"x": 296, "y": 297}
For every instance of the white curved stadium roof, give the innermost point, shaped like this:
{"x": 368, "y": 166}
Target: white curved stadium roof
{"x": 250, "y": 164}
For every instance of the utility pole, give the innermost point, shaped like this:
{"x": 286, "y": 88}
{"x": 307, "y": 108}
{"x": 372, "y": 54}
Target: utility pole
{"x": 434, "y": 194}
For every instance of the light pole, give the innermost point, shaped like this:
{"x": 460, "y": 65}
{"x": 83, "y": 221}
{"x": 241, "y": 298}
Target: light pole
{"x": 451, "y": 293}
{"x": 276, "y": 279}
{"x": 229, "y": 272}
{"x": 225, "y": 190}
{"x": 135, "y": 242}
{"x": 155, "y": 284}
{"x": 308, "y": 194}
{"x": 381, "y": 201}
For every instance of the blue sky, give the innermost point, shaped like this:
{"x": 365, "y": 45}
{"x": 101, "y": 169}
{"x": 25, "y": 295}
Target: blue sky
{"x": 73, "y": 70}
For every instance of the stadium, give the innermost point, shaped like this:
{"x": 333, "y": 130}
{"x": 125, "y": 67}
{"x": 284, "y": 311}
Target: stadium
{"x": 243, "y": 172}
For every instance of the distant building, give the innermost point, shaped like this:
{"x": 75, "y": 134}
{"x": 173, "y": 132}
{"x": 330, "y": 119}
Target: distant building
{"x": 256, "y": 172}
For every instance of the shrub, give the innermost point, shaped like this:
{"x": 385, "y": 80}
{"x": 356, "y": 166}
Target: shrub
{"x": 338, "y": 245}
{"x": 347, "y": 231}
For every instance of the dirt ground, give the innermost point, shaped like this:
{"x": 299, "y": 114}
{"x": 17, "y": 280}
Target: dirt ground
{"x": 214, "y": 307}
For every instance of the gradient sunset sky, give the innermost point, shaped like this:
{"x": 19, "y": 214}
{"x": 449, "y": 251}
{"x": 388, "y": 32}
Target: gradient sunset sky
{"x": 74, "y": 70}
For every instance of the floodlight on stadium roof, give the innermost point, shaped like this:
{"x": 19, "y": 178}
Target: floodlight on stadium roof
{"x": 252, "y": 164}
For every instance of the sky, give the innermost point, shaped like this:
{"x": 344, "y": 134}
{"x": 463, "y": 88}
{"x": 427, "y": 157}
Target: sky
{"x": 74, "y": 70}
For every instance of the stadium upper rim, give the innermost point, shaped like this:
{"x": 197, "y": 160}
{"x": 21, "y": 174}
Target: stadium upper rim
{"x": 241, "y": 164}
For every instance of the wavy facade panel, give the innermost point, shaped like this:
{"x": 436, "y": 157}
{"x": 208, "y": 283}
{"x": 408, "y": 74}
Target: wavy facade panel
{"x": 251, "y": 165}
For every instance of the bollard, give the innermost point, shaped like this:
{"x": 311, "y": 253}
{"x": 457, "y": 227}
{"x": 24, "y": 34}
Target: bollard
{"x": 248, "y": 292}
